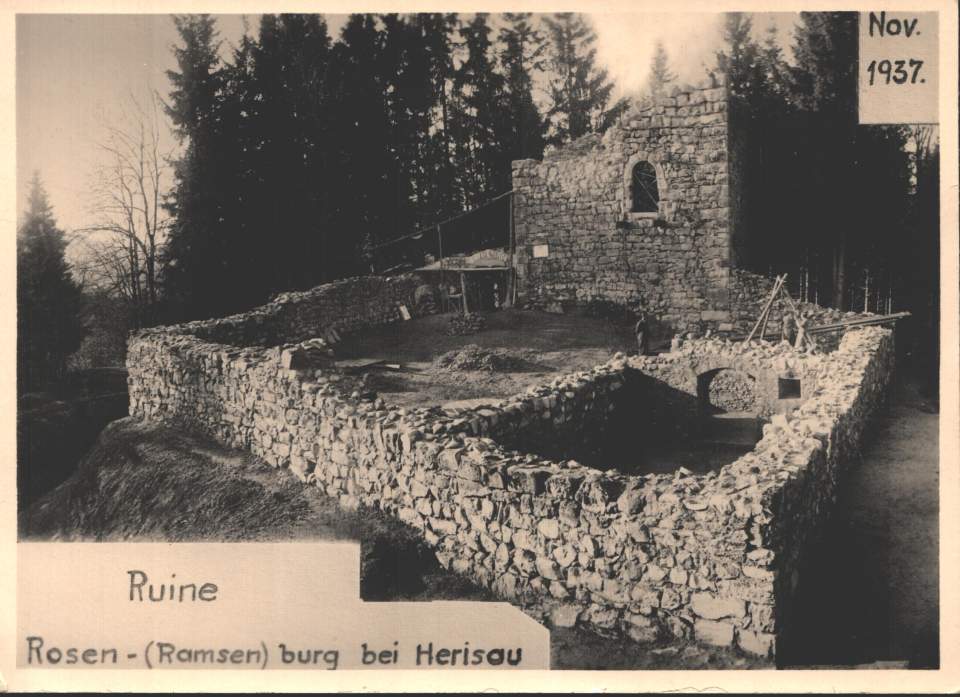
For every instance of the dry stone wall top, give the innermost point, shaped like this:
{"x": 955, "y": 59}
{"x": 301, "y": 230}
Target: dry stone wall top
{"x": 343, "y": 305}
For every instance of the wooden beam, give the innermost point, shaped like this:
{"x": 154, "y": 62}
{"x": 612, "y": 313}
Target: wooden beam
{"x": 511, "y": 290}
{"x": 766, "y": 307}
{"x": 858, "y": 322}
{"x": 467, "y": 268}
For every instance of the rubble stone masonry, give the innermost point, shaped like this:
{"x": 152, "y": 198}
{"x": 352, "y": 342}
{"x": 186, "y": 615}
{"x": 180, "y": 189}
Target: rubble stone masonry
{"x": 577, "y": 238}
{"x": 712, "y": 557}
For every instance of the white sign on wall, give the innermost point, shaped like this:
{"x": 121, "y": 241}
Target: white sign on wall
{"x": 898, "y": 67}
{"x": 540, "y": 251}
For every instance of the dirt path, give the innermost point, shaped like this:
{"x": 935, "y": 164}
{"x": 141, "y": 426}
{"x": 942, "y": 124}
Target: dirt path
{"x": 873, "y": 594}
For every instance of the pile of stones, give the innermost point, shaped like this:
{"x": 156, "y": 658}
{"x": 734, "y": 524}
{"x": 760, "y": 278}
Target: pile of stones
{"x": 473, "y": 357}
{"x": 734, "y": 391}
{"x": 464, "y": 325}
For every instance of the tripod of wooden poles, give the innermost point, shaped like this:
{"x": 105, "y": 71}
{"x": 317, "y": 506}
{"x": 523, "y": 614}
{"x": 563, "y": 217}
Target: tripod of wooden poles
{"x": 779, "y": 290}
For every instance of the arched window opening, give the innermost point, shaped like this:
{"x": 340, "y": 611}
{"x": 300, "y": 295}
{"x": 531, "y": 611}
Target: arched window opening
{"x": 644, "y": 191}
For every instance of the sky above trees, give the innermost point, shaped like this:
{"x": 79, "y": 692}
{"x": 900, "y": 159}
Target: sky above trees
{"x": 77, "y": 73}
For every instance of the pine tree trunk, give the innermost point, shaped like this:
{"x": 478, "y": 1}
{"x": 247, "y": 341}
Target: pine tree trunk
{"x": 840, "y": 272}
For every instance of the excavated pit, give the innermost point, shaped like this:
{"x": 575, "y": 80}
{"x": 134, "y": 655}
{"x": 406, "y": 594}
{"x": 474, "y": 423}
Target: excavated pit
{"x": 647, "y": 427}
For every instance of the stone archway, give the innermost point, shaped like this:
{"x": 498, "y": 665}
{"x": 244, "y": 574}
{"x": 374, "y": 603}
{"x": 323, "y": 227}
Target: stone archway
{"x": 728, "y": 389}
{"x": 730, "y": 405}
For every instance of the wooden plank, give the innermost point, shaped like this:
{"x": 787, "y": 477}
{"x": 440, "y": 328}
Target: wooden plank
{"x": 823, "y": 328}
{"x": 763, "y": 327}
{"x": 859, "y": 322}
{"x": 508, "y": 291}
{"x": 766, "y": 309}
{"x": 512, "y": 251}
{"x": 444, "y": 301}
{"x": 469, "y": 268}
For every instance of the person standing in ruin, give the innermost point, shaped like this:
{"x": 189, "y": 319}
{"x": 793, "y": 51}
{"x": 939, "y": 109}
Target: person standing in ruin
{"x": 801, "y": 339}
{"x": 787, "y": 328}
{"x": 640, "y": 329}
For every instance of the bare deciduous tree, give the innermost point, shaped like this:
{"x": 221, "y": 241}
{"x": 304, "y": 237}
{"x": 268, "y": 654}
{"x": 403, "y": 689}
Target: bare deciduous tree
{"x": 120, "y": 247}
{"x": 921, "y": 140}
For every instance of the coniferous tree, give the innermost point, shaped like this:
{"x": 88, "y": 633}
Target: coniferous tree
{"x": 521, "y": 56}
{"x": 366, "y": 190}
{"x": 824, "y": 87}
{"x": 760, "y": 146}
{"x": 820, "y": 197}
{"x": 858, "y": 175}
{"x": 240, "y": 143}
{"x": 195, "y": 259}
{"x": 413, "y": 68}
{"x": 480, "y": 116}
{"x": 49, "y": 301}
{"x": 438, "y": 193}
{"x": 293, "y": 159}
{"x": 918, "y": 264}
{"x": 579, "y": 91}
{"x": 775, "y": 70}
{"x": 255, "y": 195}
{"x": 740, "y": 58}
{"x": 660, "y": 73}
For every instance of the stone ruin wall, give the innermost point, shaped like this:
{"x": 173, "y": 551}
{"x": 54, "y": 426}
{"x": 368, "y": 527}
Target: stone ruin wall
{"x": 683, "y": 265}
{"x": 576, "y": 201}
{"x": 712, "y": 557}
{"x": 343, "y": 305}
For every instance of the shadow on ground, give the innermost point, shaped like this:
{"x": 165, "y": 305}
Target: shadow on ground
{"x": 871, "y": 592}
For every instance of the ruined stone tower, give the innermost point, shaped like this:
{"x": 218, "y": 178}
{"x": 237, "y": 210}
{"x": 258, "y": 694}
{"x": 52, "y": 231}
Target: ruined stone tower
{"x": 642, "y": 216}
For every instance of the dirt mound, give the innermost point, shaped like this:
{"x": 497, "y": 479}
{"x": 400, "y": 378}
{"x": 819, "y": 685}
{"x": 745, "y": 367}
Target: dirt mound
{"x": 473, "y": 357}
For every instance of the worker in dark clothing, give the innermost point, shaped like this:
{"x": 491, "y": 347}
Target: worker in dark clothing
{"x": 640, "y": 329}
